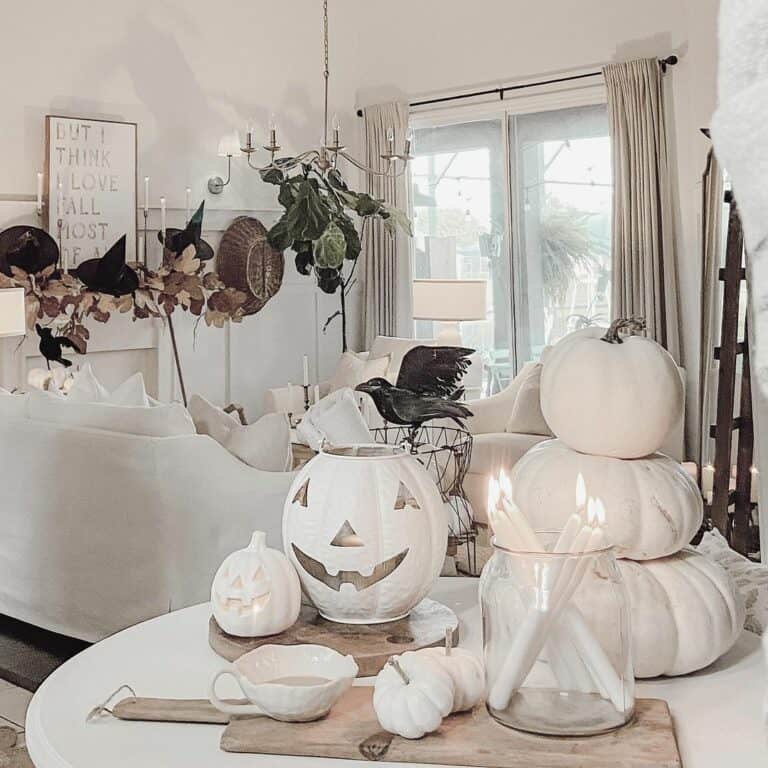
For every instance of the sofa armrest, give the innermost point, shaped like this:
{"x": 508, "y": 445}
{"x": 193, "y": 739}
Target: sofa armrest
{"x": 490, "y": 414}
{"x": 281, "y": 400}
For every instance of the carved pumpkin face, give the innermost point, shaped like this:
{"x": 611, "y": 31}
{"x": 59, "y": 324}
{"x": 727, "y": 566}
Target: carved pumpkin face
{"x": 255, "y": 591}
{"x": 365, "y": 529}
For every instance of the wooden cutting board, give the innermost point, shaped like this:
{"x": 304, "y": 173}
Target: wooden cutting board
{"x": 370, "y": 644}
{"x": 352, "y": 732}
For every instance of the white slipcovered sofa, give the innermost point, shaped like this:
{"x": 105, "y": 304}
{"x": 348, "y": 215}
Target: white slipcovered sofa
{"x": 101, "y": 530}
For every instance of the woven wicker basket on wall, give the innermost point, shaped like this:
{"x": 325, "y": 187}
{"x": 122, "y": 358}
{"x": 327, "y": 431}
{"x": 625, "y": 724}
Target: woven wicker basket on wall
{"x": 247, "y": 261}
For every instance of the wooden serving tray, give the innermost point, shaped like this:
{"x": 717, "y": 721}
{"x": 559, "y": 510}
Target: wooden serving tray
{"x": 352, "y": 732}
{"x": 370, "y": 644}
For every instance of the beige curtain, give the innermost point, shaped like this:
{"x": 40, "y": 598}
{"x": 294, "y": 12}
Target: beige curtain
{"x": 712, "y": 259}
{"x": 644, "y": 264}
{"x": 387, "y": 274}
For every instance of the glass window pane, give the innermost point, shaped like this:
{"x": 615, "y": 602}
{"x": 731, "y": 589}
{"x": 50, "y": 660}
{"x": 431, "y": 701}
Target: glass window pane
{"x": 561, "y": 169}
{"x": 458, "y": 179}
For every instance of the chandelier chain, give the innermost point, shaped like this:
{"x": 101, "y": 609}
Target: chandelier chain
{"x": 326, "y": 71}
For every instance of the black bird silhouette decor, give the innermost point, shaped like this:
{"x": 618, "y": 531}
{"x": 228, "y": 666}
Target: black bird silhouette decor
{"x": 427, "y": 388}
{"x": 51, "y": 347}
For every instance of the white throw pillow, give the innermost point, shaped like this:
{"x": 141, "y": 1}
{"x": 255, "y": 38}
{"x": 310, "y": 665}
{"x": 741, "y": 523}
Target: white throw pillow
{"x": 86, "y": 388}
{"x": 336, "y": 419}
{"x": 210, "y": 420}
{"x": 265, "y": 444}
{"x": 353, "y": 369}
{"x": 526, "y": 417}
{"x": 160, "y": 421}
{"x": 130, "y": 392}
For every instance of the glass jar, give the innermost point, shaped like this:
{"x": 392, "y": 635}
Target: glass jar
{"x": 556, "y": 641}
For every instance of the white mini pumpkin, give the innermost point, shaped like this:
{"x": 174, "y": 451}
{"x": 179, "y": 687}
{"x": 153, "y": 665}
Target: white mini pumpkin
{"x": 365, "y": 528}
{"x": 256, "y": 591}
{"x": 653, "y": 507}
{"x": 609, "y": 395}
{"x": 412, "y": 694}
{"x": 466, "y": 671}
{"x": 685, "y": 613}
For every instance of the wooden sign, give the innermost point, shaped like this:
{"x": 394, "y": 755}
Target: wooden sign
{"x": 90, "y": 186}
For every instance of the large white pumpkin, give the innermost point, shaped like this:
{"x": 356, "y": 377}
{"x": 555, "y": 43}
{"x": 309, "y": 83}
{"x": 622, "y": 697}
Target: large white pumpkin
{"x": 685, "y": 613}
{"x": 365, "y": 528}
{"x": 609, "y": 395}
{"x": 255, "y": 591}
{"x": 653, "y": 507}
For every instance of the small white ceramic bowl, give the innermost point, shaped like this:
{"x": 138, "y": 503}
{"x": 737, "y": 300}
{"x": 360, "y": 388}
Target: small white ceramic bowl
{"x": 294, "y": 683}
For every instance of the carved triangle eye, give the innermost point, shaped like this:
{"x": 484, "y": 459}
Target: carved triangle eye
{"x": 301, "y": 495}
{"x": 405, "y": 498}
{"x": 347, "y": 536}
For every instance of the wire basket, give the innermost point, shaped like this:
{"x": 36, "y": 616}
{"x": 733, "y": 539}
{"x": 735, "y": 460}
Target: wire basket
{"x": 445, "y": 452}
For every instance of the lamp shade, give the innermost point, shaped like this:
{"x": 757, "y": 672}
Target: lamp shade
{"x": 229, "y": 145}
{"x": 449, "y": 300}
{"x": 12, "y": 314}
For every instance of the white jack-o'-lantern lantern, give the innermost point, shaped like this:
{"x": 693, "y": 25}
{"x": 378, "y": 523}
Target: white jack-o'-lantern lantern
{"x": 365, "y": 528}
{"x": 256, "y": 591}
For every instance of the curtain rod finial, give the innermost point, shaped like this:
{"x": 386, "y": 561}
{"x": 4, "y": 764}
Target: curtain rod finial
{"x": 669, "y": 61}
{"x": 359, "y": 112}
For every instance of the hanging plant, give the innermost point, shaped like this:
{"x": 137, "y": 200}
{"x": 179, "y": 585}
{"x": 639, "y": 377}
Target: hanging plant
{"x": 319, "y": 225}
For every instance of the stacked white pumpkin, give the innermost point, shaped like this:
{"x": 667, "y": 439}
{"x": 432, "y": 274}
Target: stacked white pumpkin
{"x": 611, "y": 400}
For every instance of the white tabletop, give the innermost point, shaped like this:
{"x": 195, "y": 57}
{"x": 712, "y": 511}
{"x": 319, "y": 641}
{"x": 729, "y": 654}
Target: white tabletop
{"x": 717, "y": 713}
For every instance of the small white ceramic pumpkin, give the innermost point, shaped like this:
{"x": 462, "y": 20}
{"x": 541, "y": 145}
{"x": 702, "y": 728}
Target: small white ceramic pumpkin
{"x": 466, "y": 671}
{"x": 685, "y": 613}
{"x": 609, "y": 395}
{"x": 365, "y": 528}
{"x": 256, "y": 591}
{"x": 653, "y": 507}
{"x": 412, "y": 695}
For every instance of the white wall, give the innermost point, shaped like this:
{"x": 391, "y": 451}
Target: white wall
{"x": 189, "y": 70}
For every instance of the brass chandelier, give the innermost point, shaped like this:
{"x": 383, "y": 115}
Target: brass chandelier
{"x": 326, "y": 156}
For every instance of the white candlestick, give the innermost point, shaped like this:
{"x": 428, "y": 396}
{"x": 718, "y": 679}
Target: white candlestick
{"x": 707, "y": 479}
{"x": 59, "y": 200}
{"x": 39, "y": 192}
{"x": 162, "y": 218}
{"x": 317, "y": 393}
{"x": 146, "y": 194}
{"x": 305, "y": 362}
{"x": 188, "y": 193}
{"x": 754, "y": 485}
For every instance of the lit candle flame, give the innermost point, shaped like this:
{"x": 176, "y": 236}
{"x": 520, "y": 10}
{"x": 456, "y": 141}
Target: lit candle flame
{"x": 595, "y": 512}
{"x": 581, "y": 492}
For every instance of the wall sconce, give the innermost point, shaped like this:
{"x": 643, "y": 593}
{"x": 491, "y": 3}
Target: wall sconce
{"x": 229, "y": 146}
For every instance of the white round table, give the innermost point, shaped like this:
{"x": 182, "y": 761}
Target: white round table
{"x": 717, "y": 712}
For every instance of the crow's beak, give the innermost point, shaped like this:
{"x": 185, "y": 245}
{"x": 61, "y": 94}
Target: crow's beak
{"x": 364, "y": 387}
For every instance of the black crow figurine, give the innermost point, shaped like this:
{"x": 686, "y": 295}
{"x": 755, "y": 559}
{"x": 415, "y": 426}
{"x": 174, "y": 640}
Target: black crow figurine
{"x": 427, "y": 388}
{"x": 50, "y": 347}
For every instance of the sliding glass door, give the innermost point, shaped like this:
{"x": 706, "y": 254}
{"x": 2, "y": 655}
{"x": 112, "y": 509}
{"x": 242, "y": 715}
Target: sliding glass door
{"x": 561, "y": 223}
{"x": 523, "y": 201}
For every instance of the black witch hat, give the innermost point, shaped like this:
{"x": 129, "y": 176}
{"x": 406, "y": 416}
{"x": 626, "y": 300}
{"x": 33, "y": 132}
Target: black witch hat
{"x": 109, "y": 274}
{"x": 177, "y": 240}
{"x": 29, "y": 248}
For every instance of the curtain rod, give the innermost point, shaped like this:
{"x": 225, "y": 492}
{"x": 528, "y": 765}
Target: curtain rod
{"x": 669, "y": 61}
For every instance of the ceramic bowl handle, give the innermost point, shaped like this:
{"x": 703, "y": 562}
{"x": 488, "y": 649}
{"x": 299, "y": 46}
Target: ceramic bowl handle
{"x": 231, "y": 709}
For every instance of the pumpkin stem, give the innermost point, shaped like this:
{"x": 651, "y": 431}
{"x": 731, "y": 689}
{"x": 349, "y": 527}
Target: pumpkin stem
{"x": 393, "y": 662}
{"x": 613, "y": 334}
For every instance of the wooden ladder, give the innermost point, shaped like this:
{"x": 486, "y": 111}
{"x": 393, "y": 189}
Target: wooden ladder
{"x": 735, "y": 525}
